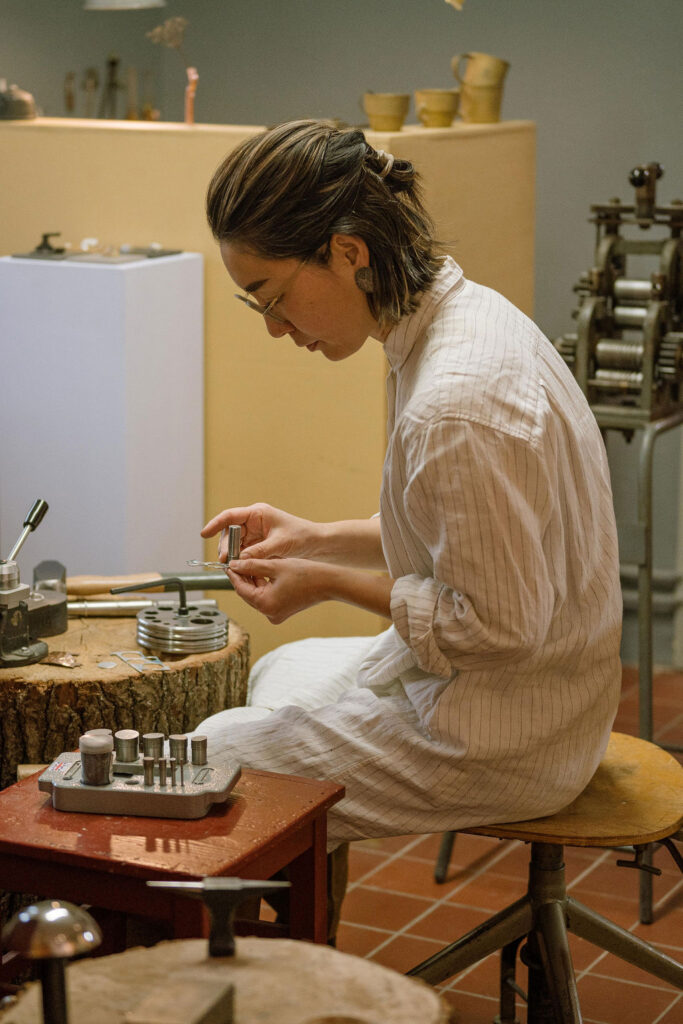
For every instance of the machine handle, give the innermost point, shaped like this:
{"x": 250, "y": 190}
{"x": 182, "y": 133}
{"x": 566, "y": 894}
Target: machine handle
{"x": 33, "y": 519}
{"x": 36, "y": 514}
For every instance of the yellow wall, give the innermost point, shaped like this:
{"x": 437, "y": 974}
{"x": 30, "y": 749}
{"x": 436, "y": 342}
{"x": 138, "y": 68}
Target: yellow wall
{"x": 282, "y": 425}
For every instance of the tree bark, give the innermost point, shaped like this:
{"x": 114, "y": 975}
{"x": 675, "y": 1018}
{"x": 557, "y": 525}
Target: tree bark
{"x": 45, "y": 708}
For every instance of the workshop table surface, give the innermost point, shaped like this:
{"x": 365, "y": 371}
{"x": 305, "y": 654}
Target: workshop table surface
{"x": 269, "y": 822}
{"x": 45, "y": 708}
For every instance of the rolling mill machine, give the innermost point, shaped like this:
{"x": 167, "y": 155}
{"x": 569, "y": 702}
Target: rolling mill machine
{"x": 627, "y": 356}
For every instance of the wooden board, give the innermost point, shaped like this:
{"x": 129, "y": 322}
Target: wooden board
{"x": 45, "y": 708}
{"x": 277, "y": 981}
{"x": 634, "y": 798}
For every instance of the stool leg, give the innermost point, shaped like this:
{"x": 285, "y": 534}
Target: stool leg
{"x": 645, "y": 883}
{"x": 500, "y": 930}
{"x": 508, "y": 986}
{"x": 551, "y": 933}
{"x": 585, "y": 923}
{"x": 444, "y": 856}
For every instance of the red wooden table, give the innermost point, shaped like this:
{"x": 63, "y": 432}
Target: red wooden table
{"x": 270, "y": 821}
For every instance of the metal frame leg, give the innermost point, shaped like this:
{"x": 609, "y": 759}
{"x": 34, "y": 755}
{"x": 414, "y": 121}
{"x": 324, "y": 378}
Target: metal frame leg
{"x": 501, "y": 930}
{"x": 509, "y": 988}
{"x": 553, "y": 946}
{"x": 585, "y": 923}
{"x": 545, "y": 915}
{"x": 444, "y": 857}
{"x": 651, "y": 431}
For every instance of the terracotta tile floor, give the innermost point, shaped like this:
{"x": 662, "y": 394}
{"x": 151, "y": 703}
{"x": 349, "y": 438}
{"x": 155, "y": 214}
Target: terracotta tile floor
{"x": 395, "y": 914}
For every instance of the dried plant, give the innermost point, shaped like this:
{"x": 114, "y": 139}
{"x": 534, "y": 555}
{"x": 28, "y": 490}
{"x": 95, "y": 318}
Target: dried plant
{"x": 171, "y": 33}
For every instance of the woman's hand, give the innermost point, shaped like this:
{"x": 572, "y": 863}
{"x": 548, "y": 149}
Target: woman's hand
{"x": 280, "y": 587}
{"x": 267, "y": 532}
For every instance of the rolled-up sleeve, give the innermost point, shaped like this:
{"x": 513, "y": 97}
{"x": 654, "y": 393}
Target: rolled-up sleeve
{"x": 478, "y": 500}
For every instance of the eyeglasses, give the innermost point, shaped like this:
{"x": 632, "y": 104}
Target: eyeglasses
{"x": 267, "y": 310}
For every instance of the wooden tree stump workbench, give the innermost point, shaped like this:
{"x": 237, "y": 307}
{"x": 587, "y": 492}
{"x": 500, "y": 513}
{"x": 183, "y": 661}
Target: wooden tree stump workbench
{"x": 276, "y": 981}
{"x": 45, "y": 708}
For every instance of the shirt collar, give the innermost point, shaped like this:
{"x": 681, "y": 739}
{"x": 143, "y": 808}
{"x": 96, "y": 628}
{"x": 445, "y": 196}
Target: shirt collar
{"x": 401, "y": 339}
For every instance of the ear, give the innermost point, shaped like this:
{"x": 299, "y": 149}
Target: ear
{"x": 348, "y": 253}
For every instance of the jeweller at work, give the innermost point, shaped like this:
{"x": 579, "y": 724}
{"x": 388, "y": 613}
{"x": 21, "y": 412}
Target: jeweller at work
{"x": 491, "y": 693}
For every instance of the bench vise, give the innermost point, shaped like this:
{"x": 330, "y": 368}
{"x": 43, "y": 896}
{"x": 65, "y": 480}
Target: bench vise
{"x": 26, "y": 613}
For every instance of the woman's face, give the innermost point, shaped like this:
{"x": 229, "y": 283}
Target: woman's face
{"x": 320, "y": 307}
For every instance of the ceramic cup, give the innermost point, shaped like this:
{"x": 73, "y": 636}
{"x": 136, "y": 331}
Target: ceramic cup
{"x": 386, "y": 111}
{"x": 481, "y": 69}
{"x": 436, "y": 108}
{"x": 481, "y": 92}
{"x": 481, "y": 104}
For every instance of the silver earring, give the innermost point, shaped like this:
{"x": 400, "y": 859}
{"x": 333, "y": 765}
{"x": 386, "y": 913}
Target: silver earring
{"x": 365, "y": 279}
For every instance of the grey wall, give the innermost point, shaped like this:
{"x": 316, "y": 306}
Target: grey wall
{"x": 602, "y": 80}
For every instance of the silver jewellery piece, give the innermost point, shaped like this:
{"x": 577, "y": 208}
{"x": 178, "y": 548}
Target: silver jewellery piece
{"x": 207, "y": 565}
{"x": 388, "y": 163}
{"x": 365, "y": 279}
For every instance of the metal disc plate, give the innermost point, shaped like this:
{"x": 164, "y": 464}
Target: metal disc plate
{"x": 164, "y": 628}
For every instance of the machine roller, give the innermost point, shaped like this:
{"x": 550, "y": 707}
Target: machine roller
{"x": 627, "y": 350}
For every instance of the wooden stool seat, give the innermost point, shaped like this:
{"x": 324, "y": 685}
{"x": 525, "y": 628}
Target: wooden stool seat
{"x": 635, "y": 798}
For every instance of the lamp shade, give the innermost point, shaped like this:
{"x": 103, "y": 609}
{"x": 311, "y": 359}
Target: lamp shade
{"x": 121, "y": 5}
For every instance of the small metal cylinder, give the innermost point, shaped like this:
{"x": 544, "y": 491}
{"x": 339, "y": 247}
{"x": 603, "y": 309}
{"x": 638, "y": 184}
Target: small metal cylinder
{"x": 178, "y": 747}
{"x": 619, "y": 355}
{"x": 153, "y": 745}
{"x": 631, "y": 290}
{"x": 630, "y": 316}
{"x": 619, "y": 380}
{"x": 96, "y": 759}
{"x": 171, "y": 768}
{"x": 126, "y": 744}
{"x": 234, "y": 541}
{"x": 199, "y": 749}
{"x": 148, "y": 768}
{"x": 162, "y": 771}
{"x": 9, "y": 575}
{"x": 113, "y": 609}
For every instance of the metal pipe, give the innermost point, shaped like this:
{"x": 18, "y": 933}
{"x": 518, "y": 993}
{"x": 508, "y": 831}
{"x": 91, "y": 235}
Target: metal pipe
{"x": 53, "y": 983}
{"x": 110, "y": 609}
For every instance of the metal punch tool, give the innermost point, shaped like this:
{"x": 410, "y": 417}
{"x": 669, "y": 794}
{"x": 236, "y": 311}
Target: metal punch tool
{"x": 234, "y": 539}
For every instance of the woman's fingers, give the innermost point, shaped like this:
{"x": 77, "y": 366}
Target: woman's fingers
{"x": 261, "y": 568}
{"x": 228, "y": 517}
{"x": 276, "y": 587}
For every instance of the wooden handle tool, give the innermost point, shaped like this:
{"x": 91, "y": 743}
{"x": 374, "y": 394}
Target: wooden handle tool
{"x": 90, "y": 586}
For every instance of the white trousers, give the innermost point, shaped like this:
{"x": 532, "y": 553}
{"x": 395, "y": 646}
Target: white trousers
{"x": 307, "y": 716}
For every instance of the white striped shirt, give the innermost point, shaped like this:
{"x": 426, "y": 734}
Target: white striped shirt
{"x": 492, "y": 695}
{"x": 497, "y": 524}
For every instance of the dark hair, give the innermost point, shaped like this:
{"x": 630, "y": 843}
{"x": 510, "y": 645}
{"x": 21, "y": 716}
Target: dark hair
{"x": 285, "y": 192}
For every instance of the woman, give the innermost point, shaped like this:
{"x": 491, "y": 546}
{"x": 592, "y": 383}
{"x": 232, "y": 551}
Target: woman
{"x": 491, "y": 695}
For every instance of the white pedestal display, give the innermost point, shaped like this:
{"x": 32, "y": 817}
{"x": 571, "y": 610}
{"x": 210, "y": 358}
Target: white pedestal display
{"x": 102, "y": 411}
